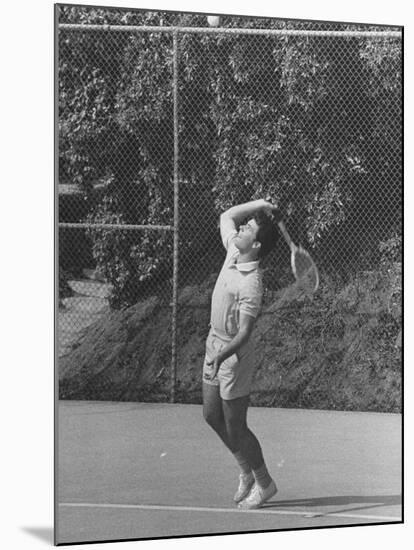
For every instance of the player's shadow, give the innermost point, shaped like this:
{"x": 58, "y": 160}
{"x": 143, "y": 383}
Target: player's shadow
{"x": 360, "y": 502}
{"x": 43, "y": 533}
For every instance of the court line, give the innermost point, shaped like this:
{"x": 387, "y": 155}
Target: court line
{"x": 226, "y": 510}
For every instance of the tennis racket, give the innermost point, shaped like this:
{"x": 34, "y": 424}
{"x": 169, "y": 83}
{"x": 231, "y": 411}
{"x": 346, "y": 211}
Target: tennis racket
{"x": 303, "y": 267}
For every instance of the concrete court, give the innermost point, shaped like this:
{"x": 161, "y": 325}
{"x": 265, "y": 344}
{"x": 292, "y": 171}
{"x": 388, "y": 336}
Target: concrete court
{"x": 140, "y": 470}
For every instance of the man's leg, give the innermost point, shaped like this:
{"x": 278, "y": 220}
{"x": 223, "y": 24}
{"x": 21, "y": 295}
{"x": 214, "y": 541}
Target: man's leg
{"x": 213, "y": 411}
{"x": 214, "y": 416}
{"x": 241, "y": 437}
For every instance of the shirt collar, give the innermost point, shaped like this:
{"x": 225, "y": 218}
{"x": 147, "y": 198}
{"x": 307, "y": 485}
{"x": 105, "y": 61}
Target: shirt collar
{"x": 245, "y": 266}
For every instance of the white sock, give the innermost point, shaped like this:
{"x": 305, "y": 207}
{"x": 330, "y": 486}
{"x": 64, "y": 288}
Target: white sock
{"x": 242, "y": 462}
{"x": 262, "y": 476}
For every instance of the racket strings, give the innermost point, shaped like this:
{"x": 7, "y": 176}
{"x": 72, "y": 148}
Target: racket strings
{"x": 302, "y": 262}
{"x": 305, "y": 271}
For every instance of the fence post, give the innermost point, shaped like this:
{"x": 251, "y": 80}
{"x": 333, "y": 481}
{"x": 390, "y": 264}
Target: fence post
{"x": 176, "y": 223}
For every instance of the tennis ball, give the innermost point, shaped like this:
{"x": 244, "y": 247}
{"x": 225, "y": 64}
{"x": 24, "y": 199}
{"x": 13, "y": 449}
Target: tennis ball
{"x": 213, "y": 20}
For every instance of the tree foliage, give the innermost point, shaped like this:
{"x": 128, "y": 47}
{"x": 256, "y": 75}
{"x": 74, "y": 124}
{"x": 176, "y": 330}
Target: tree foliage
{"x": 314, "y": 123}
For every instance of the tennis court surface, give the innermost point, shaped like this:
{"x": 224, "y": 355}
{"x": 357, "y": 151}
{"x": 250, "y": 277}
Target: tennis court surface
{"x": 139, "y": 470}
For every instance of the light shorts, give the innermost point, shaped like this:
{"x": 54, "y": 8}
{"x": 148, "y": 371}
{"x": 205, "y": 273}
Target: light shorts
{"x": 235, "y": 374}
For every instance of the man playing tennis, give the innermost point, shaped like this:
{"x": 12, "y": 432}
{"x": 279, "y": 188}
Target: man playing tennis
{"x": 229, "y": 360}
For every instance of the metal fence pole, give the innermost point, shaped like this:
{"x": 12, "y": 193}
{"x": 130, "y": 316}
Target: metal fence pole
{"x": 176, "y": 223}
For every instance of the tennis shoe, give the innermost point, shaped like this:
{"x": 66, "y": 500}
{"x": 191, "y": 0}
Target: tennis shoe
{"x": 246, "y": 482}
{"x": 258, "y": 496}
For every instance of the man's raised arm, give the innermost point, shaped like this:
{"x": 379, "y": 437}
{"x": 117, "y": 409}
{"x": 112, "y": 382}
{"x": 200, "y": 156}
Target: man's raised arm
{"x": 231, "y": 218}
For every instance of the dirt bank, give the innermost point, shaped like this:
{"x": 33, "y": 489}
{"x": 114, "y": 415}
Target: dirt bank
{"x": 340, "y": 351}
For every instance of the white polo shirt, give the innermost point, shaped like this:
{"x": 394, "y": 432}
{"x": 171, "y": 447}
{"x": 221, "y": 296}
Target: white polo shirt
{"x": 238, "y": 289}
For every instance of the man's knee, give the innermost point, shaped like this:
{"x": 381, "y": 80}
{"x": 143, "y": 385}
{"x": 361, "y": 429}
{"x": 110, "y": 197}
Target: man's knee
{"x": 212, "y": 417}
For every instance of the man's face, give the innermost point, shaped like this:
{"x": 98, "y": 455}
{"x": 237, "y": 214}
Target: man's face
{"x": 246, "y": 237}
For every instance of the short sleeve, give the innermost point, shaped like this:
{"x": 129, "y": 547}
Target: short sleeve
{"x": 250, "y": 297}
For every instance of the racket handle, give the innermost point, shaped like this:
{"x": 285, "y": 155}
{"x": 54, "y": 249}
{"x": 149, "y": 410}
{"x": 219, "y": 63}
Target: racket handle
{"x": 285, "y": 234}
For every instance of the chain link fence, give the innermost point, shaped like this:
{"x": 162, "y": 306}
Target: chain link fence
{"x": 163, "y": 124}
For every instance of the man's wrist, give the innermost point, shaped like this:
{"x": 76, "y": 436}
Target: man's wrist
{"x": 220, "y": 358}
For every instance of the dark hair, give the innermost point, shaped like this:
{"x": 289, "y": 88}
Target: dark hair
{"x": 267, "y": 234}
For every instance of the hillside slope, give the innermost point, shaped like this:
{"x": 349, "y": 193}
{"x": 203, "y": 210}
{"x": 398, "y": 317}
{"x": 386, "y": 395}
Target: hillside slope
{"x": 340, "y": 351}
